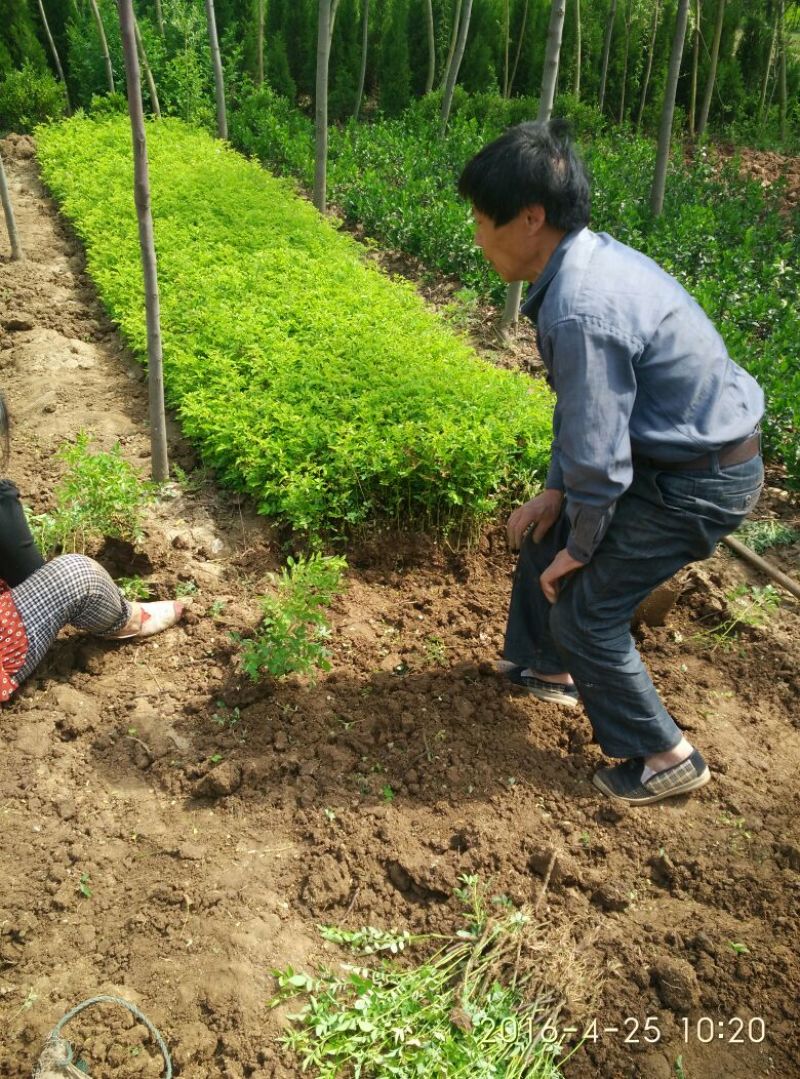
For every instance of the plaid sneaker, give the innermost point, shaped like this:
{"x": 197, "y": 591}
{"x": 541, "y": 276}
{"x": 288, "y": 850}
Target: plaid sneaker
{"x": 624, "y": 781}
{"x": 545, "y": 691}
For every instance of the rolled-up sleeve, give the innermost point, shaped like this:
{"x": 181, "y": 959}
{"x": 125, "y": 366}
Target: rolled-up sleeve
{"x": 592, "y": 372}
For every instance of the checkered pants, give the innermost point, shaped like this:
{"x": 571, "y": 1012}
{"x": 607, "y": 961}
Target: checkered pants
{"x": 71, "y": 590}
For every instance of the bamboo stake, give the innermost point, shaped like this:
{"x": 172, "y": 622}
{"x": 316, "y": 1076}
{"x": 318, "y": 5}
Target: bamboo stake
{"x": 5, "y": 198}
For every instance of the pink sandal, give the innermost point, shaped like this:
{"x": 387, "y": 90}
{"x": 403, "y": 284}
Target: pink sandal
{"x": 152, "y": 618}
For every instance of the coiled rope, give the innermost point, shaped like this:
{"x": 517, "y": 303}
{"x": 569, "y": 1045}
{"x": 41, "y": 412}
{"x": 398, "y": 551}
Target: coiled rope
{"x": 56, "y": 1059}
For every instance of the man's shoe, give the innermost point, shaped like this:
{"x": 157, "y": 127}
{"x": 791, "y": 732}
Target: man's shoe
{"x": 624, "y": 781}
{"x": 553, "y": 692}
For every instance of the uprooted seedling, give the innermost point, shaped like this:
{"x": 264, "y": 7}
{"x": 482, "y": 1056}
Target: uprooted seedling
{"x": 490, "y": 1000}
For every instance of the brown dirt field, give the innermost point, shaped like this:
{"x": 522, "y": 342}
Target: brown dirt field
{"x": 200, "y": 887}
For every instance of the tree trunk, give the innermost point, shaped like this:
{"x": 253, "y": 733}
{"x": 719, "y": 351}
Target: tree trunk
{"x": 458, "y": 56}
{"x": 695, "y": 67}
{"x": 519, "y": 47}
{"x": 549, "y": 77}
{"x": 321, "y": 106}
{"x": 451, "y": 51}
{"x": 668, "y": 110}
{"x": 103, "y": 45}
{"x": 148, "y": 74}
{"x": 649, "y": 67}
{"x": 363, "y": 73}
{"x": 576, "y": 86}
{"x": 606, "y": 52}
{"x": 431, "y": 47}
{"x": 54, "y": 51}
{"x": 8, "y": 210}
{"x": 712, "y": 71}
{"x": 768, "y": 71}
{"x": 782, "y": 17}
{"x": 216, "y": 60}
{"x": 160, "y": 18}
{"x": 141, "y": 192}
{"x": 506, "y": 36}
{"x": 260, "y": 44}
{"x": 625, "y": 60}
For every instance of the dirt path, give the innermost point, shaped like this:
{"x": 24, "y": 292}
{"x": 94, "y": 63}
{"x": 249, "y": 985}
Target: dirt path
{"x": 198, "y": 887}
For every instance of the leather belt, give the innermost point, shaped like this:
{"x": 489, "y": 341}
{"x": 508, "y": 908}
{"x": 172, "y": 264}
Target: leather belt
{"x": 735, "y": 453}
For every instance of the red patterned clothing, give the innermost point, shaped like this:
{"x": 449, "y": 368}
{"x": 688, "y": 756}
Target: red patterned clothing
{"x": 13, "y": 642}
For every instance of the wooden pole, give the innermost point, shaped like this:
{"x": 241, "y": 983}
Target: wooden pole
{"x": 8, "y": 210}
{"x": 54, "y": 51}
{"x": 101, "y": 33}
{"x": 219, "y": 84}
{"x": 141, "y": 192}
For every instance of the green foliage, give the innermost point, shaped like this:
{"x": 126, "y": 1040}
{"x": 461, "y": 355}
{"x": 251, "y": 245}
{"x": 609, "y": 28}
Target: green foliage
{"x": 308, "y": 379}
{"x": 100, "y": 496}
{"x": 134, "y": 588}
{"x": 18, "y": 42}
{"x": 761, "y": 535}
{"x": 468, "y": 1009}
{"x": 28, "y": 97}
{"x": 294, "y": 627}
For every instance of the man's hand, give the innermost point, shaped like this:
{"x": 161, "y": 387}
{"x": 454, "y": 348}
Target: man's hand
{"x": 561, "y": 566}
{"x": 541, "y": 513}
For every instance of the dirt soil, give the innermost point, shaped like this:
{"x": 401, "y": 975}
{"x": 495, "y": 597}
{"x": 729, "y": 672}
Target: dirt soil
{"x": 172, "y": 833}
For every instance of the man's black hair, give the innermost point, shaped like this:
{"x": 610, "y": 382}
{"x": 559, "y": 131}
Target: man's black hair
{"x": 531, "y": 163}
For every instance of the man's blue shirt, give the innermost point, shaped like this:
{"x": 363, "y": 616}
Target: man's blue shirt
{"x": 638, "y": 370}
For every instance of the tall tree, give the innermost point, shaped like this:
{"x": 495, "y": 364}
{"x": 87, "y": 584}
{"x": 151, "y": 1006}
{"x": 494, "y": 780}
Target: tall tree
{"x": 555, "y": 33}
{"x": 431, "y": 46}
{"x": 695, "y": 67}
{"x": 216, "y": 60}
{"x": 54, "y": 51}
{"x": 452, "y": 47}
{"x": 782, "y": 72}
{"x": 8, "y": 210}
{"x": 612, "y": 14}
{"x": 362, "y": 75}
{"x": 520, "y": 39}
{"x": 712, "y": 71}
{"x": 141, "y": 193}
{"x": 455, "y": 64}
{"x": 101, "y": 33}
{"x": 626, "y": 53}
{"x": 327, "y": 17}
{"x": 148, "y": 74}
{"x": 260, "y": 43}
{"x": 159, "y": 17}
{"x": 576, "y": 86}
{"x": 649, "y": 65}
{"x": 668, "y": 110}
{"x": 768, "y": 67}
{"x": 506, "y": 39}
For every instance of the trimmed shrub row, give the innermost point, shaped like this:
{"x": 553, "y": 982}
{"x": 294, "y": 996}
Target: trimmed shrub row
{"x": 733, "y": 246}
{"x": 307, "y": 378}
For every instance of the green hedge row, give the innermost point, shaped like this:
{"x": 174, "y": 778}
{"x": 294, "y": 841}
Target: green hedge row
{"x": 733, "y": 246}
{"x": 307, "y": 378}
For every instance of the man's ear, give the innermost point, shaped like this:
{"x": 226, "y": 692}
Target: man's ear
{"x": 534, "y": 216}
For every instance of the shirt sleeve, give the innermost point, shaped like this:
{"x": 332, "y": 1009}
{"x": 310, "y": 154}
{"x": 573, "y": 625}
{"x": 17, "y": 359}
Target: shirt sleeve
{"x": 595, "y": 383}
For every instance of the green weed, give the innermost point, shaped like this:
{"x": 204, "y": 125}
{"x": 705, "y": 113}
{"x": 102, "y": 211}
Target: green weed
{"x": 748, "y": 605}
{"x": 100, "y": 496}
{"x": 294, "y": 628}
{"x": 761, "y": 535}
{"x": 134, "y": 588}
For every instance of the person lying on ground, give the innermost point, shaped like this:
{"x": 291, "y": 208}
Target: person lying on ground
{"x": 655, "y": 455}
{"x": 38, "y": 598}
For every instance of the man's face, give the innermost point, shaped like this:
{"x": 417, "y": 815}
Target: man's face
{"x": 510, "y": 248}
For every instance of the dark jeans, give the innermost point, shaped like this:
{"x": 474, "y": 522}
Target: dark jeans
{"x": 665, "y": 520}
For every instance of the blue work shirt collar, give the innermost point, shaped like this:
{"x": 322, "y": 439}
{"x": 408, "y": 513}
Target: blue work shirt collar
{"x": 534, "y": 297}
